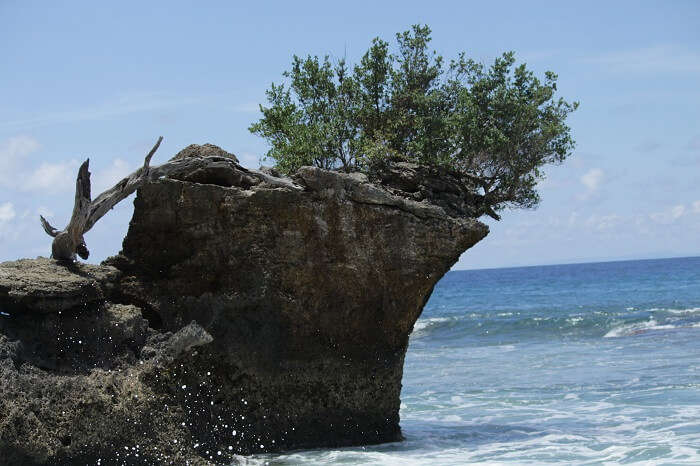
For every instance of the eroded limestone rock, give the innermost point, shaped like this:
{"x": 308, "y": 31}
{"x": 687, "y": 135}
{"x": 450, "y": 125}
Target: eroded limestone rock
{"x": 44, "y": 285}
{"x": 246, "y": 310}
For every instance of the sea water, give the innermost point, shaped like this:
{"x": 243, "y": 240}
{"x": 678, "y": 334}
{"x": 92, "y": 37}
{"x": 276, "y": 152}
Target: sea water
{"x": 585, "y": 363}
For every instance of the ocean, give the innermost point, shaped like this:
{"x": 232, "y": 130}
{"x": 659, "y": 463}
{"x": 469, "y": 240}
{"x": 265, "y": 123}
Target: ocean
{"x": 576, "y": 364}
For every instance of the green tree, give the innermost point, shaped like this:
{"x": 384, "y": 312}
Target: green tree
{"x": 495, "y": 127}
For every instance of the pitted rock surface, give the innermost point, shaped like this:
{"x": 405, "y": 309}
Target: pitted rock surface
{"x": 45, "y": 285}
{"x": 245, "y": 309}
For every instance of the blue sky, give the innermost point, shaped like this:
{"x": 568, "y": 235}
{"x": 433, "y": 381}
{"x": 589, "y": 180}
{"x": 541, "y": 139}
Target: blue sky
{"x": 104, "y": 79}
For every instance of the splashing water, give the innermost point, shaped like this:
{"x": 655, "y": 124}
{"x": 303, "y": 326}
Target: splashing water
{"x": 567, "y": 364}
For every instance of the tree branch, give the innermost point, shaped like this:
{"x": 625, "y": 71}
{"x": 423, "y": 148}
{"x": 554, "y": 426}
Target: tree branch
{"x": 69, "y": 242}
{"x": 81, "y": 207}
{"x": 51, "y": 231}
{"x": 86, "y": 213}
{"x": 108, "y": 199}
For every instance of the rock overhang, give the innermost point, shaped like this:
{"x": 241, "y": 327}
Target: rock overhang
{"x": 306, "y": 287}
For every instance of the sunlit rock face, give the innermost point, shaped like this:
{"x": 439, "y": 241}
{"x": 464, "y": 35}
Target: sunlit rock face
{"x": 310, "y": 291}
{"x": 303, "y": 292}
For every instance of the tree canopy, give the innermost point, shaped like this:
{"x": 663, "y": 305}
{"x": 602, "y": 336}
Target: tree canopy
{"x": 495, "y": 126}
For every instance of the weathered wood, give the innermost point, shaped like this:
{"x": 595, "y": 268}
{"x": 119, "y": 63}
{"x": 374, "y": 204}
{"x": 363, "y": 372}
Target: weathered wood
{"x": 69, "y": 242}
{"x": 108, "y": 199}
{"x": 86, "y": 212}
{"x": 51, "y": 231}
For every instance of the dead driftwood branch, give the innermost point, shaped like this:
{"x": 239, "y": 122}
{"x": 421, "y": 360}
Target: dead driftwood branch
{"x": 86, "y": 212}
{"x": 108, "y": 199}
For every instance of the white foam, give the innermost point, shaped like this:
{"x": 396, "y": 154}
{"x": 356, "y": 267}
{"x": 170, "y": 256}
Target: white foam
{"x": 421, "y": 325}
{"x": 692, "y": 310}
{"x": 637, "y": 328}
{"x": 452, "y": 418}
{"x": 574, "y": 320}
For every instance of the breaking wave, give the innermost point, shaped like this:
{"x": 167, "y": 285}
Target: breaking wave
{"x": 644, "y": 327}
{"x": 520, "y": 325}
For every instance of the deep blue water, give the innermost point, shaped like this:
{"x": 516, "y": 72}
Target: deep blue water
{"x": 585, "y": 363}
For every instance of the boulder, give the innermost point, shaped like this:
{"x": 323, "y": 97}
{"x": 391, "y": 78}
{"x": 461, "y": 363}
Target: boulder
{"x": 44, "y": 285}
{"x": 81, "y": 383}
{"x": 248, "y": 313}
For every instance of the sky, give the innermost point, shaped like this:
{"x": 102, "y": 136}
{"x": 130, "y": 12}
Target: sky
{"x": 104, "y": 79}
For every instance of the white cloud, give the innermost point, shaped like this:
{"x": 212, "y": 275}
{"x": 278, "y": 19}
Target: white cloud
{"x": 696, "y": 207}
{"x": 669, "y": 215}
{"x": 45, "y": 211}
{"x": 604, "y": 222}
{"x": 660, "y": 58}
{"x": 677, "y": 211}
{"x": 249, "y": 160}
{"x": 7, "y": 212}
{"x": 12, "y": 152}
{"x": 108, "y": 177}
{"x": 592, "y": 178}
{"x": 52, "y": 177}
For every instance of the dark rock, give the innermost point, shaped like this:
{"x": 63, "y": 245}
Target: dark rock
{"x": 205, "y": 150}
{"x": 439, "y": 186}
{"x": 279, "y": 313}
{"x": 45, "y": 285}
{"x": 310, "y": 292}
{"x": 90, "y": 382}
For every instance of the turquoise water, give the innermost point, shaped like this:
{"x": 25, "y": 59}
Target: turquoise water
{"x": 583, "y": 364}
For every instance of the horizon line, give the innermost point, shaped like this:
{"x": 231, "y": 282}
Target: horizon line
{"x": 574, "y": 262}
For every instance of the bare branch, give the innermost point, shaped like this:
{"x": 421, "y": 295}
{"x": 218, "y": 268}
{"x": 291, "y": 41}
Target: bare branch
{"x": 51, "y": 231}
{"x": 147, "y": 162}
{"x": 81, "y": 208}
{"x": 69, "y": 241}
{"x": 108, "y": 199}
{"x": 86, "y": 213}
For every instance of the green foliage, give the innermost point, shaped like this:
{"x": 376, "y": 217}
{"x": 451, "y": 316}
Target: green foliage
{"x": 495, "y": 126}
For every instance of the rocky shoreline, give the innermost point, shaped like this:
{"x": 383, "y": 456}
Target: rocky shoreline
{"x": 246, "y": 313}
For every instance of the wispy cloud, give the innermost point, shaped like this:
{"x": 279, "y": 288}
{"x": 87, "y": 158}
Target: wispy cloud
{"x": 60, "y": 176}
{"x": 249, "y": 160}
{"x": 669, "y": 215}
{"x": 667, "y": 58}
{"x": 109, "y": 176}
{"x": 696, "y": 207}
{"x": 121, "y": 105}
{"x": 604, "y": 222}
{"x": 52, "y": 177}
{"x": 16, "y": 172}
{"x": 12, "y": 153}
{"x": 118, "y": 106}
{"x": 7, "y": 212}
{"x": 591, "y": 180}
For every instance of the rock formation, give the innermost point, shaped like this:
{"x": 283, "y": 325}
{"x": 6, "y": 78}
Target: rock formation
{"x": 245, "y": 313}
